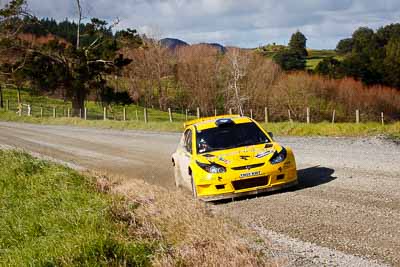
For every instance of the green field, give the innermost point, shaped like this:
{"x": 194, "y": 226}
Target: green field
{"x": 316, "y": 56}
{"x": 53, "y": 216}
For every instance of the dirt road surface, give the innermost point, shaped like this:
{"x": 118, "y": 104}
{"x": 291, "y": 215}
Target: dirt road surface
{"x": 346, "y": 211}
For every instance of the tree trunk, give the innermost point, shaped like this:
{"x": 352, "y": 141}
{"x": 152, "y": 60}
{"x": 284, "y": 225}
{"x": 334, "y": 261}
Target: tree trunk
{"x": 78, "y": 33}
{"x": 160, "y": 99}
{"x": 78, "y": 102}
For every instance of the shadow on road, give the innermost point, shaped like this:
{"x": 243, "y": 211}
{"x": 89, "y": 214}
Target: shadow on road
{"x": 314, "y": 176}
{"x": 309, "y": 177}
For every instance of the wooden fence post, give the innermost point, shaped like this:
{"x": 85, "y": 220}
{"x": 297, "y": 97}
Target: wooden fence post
{"x": 230, "y": 111}
{"x": 68, "y": 112}
{"x": 170, "y": 114}
{"x": 357, "y": 116}
{"x": 308, "y": 115}
{"x": 333, "y": 116}
{"x": 104, "y": 113}
{"x": 145, "y": 115}
{"x": 266, "y": 114}
{"x": 251, "y": 113}
{"x": 124, "y": 114}
{"x": 41, "y": 111}
{"x": 85, "y": 113}
{"x": 382, "y": 119}
{"x": 29, "y": 110}
{"x": 198, "y": 113}
{"x": 186, "y": 114}
{"x": 19, "y": 109}
{"x": 54, "y": 112}
{"x": 290, "y": 116}
{"x": 1, "y": 97}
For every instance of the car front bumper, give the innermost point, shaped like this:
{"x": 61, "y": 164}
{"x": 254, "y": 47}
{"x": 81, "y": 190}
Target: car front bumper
{"x": 230, "y": 188}
{"x": 249, "y": 193}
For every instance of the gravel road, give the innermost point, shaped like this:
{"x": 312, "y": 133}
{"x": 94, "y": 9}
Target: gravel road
{"x": 346, "y": 211}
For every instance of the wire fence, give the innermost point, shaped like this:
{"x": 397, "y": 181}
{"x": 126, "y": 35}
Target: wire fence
{"x": 137, "y": 113}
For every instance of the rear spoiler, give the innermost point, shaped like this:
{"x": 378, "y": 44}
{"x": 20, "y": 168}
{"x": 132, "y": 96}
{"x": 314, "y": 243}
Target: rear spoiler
{"x": 214, "y": 118}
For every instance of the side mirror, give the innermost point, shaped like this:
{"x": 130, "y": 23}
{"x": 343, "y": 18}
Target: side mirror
{"x": 271, "y": 135}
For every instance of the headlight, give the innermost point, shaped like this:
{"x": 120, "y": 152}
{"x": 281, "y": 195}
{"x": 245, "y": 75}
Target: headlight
{"x": 211, "y": 168}
{"x": 278, "y": 157}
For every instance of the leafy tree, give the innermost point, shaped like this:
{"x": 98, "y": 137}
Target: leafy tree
{"x": 367, "y": 59}
{"x": 290, "y": 60}
{"x": 330, "y": 67}
{"x": 344, "y": 46}
{"x": 293, "y": 58}
{"x": 78, "y": 70}
{"x": 392, "y": 62}
{"x": 298, "y": 43}
{"x": 386, "y": 33}
{"x": 363, "y": 40}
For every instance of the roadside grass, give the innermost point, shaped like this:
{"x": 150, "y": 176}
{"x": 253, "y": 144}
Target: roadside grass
{"x": 336, "y": 130}
{"x": 278, "y": 128}
{"x": 54, "y": 216}
{"x": 198, "y": 235}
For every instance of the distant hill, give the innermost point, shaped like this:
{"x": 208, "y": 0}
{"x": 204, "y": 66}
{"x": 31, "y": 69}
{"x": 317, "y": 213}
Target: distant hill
{"x": 220, "y": 47}
{"x": 172, "y": 43}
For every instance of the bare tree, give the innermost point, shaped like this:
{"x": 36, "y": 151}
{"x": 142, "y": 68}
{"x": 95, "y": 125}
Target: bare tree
{"x": 198, "y": 72}
{"x": 238, "y": 62}
{"x": 152, "y": 72}
{"x": 258, "y": 84}
{"x": 78, "y": 33}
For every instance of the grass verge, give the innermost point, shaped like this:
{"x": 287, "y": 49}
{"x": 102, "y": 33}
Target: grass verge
{"x": 54, "y": 216}
{"x": 280, "y": 129}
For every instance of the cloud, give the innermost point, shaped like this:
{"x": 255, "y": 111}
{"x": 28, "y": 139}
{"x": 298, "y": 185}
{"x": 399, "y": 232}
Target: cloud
{"x": 235, "y": 22}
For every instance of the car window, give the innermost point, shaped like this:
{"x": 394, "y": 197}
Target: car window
{"x": 187, "y": 143}
{"x": 230, "y": 136}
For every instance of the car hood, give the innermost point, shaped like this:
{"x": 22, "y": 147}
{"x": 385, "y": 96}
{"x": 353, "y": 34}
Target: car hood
{"x": 241, "y": 156}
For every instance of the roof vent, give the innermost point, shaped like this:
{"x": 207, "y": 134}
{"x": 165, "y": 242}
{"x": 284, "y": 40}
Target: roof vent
{"x": 224, "y": 121}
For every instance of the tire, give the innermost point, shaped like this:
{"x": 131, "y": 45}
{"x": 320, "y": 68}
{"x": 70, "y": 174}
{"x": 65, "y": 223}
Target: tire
{"x": 194, "y": 191}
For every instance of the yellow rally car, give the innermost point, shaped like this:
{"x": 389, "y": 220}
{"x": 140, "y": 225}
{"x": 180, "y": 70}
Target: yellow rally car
{"x": 229, "y": 156}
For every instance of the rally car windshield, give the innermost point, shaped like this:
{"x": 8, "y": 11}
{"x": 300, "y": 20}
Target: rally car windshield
{"x": 230, "y": 136}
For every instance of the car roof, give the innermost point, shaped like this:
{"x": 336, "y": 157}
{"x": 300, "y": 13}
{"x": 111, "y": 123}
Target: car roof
{"x": 210, "y": 122}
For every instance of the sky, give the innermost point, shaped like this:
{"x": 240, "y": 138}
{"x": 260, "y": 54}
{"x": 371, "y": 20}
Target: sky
{"x": 243, "y": 23}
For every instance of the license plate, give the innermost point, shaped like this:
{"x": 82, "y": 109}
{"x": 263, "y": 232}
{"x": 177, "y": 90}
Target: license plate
{"x": 249, "y": 174}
